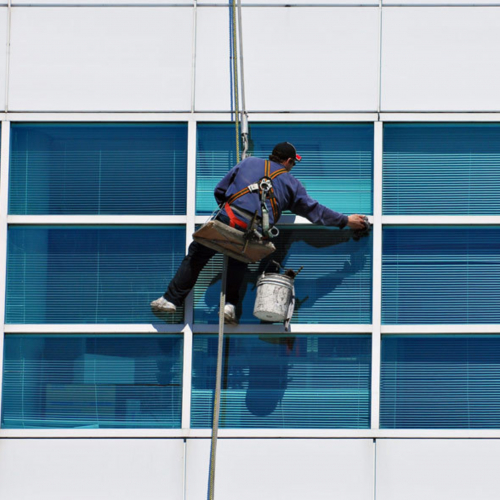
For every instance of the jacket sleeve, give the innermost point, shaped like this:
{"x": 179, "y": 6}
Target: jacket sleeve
{"x": 314, "y": 211}
{"x": 223, "y": 185}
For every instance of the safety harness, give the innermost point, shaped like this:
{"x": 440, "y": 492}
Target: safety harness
{"x": 265, "y": 188}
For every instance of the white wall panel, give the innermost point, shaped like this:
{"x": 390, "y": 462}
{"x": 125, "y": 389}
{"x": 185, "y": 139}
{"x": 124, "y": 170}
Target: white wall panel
{"x": 3, "y": 53}
{"x": 213, "y": 84}
{"x": 292, "y": 2}
{"x": 282, "y": 469}
{"x": 438, "y": 469}
{"x": 311, "y": 59}
{"x": 102, "y": 2}
{"x": 295, "y": 59}
{"x": 98, "y": 469}
{"x": 405, "y": 3}
{"x": 441, "y": 59}
{"x": 101, "y": 59}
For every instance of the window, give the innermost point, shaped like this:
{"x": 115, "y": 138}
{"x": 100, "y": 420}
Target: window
{"x": 441, "y": 275}
{"x": 92, "y": 381}
{"x": 441, "y": 169}
{"x": 335, "y": 285}
{"x": 336, "y": 170}
{"x": 440, "y": 382}
{"x": 313, "y": 381}
{"x": 98, "y": 169}
{"x": 89, "y": 274}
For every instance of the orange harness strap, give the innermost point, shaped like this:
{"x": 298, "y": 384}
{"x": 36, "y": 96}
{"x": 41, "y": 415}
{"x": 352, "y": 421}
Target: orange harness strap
{"x": 244, "y": 191}
{"x": 233, "y": 220}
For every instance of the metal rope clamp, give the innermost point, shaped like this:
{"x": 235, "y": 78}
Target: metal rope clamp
{"x": 266, "y": 187}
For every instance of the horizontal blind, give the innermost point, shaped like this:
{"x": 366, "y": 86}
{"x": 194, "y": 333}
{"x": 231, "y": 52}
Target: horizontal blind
{"x": 88, "y": 274}
{"x": 441, "y": 169}
{"x": 284, "y": 382}
{"x": 335, "y": 285}
{"x": 98, "y": 169}
{"x": 90, "y": 381}
{"x": 437, "y": 382}
{"x": 441, "y": 275}
{"x": 336, "y": 169}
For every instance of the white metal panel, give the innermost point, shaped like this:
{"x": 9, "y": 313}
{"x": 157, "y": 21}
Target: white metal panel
{"x": 212, "y": 83}
{"x": 440, "y": 117}
{"x": 311, "y": 59}
{"x": 439, "y": 2}
{"x": 3, "y": 53}
{"x": 440, "y": 59}
{"x": 99, "y": 469}
{"x": 283, "y": 469}
{"x": 101, "y": 59}
{"x": 291, "y": 2}
{"x": 438, "y": 469}
{"x": 102, "y": 2}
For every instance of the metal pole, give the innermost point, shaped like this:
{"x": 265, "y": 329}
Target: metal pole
{"x": 244, "y": 114}
{"x": 215, "y": 423}
{"x": 242, "y": 72}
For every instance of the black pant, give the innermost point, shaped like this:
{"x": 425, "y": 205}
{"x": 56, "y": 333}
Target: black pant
{"x": 190, "y": 268}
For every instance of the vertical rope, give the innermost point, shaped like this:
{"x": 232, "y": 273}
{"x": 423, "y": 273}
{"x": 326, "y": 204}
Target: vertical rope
{"x": 235, "y": 82}
{"x": 220, "y": 350}
{"x": 231, "y": 85}
{"x": 244, "y": 115}
{"x": 218, "y": 380}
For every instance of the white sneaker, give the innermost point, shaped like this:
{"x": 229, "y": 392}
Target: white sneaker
{"x": 230, "y": 315}
{"x": 163, "y": 305}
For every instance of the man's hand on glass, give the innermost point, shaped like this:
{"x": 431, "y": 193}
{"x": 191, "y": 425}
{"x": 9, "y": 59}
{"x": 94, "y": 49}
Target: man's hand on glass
{"x": 357, "y": 221}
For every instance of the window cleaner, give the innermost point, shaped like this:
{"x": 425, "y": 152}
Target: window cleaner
{"x": 238, "y": 239}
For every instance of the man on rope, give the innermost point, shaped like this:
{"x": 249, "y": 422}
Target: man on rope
{"x": 239, "y": 199}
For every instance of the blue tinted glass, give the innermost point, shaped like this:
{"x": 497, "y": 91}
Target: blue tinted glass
{"x": 98, "y": 169}
{"x": 284, "y": 382}
{"x": 335, "y": 285}
{"x": 336, "y": 169}
{"x": 441, "y": 275}
{"x": 90, "y": 381}
{"x": 451, "y": 169}
{"x": 440, "y": 382}
{"x": 90, "y": 274}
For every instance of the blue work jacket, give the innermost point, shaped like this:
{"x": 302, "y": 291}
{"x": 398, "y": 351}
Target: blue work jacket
{"x": 290, "y": 194}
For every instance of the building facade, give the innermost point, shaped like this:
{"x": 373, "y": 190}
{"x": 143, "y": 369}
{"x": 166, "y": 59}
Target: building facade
{"x": 118, "y": 121}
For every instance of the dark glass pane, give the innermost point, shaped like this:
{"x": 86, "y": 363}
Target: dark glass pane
{"x": 86, "y": 274}
{"x": 336, "y": 169}
{"x": 441, "y": 275}
{"x": 335, "y": 285}
{"x": 441, "y": 169}
{"x": 98, "y": 169}
{"x": 307, "y": 381}
{"x": 92, "y": 381}
{"x": 442, "y": 382}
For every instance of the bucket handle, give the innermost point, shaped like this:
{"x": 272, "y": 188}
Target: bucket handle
{"x": 290, "y": 273}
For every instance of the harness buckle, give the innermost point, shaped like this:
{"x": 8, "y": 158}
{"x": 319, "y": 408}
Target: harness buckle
{"x": 266, "y": 185}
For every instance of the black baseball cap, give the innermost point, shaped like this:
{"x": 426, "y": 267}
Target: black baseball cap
{"x": 285, "y": 150}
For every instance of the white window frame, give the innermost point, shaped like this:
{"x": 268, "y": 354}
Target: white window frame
{"x": 188, "y": 329}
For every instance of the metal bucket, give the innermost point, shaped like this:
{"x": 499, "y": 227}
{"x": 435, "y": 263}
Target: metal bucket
{"x": 274, "y": 295}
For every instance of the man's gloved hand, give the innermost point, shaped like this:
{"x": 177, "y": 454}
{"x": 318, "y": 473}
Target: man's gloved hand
{"x": 358, "y": 222}
{"x": 365, "y": 231}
